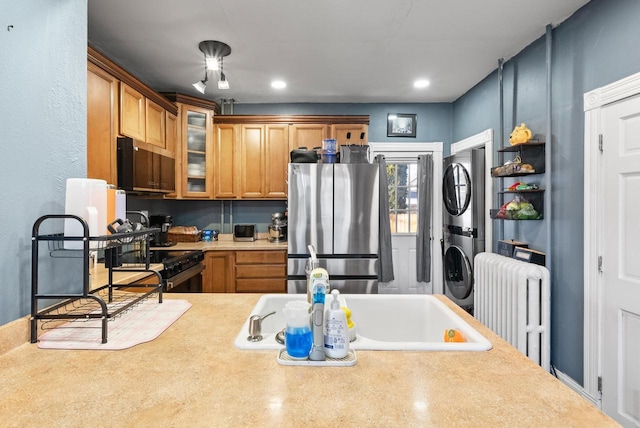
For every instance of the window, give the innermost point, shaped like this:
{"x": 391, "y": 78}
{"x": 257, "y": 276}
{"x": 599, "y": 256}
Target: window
{"x": 403, "y": 196}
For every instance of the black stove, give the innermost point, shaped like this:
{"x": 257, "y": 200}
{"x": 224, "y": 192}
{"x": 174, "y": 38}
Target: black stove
{"x": 182, "y": 269}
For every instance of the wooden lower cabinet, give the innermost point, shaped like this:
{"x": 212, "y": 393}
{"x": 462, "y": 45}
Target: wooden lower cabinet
{"x": 218, "y": 274}
{"x": 245, "y": 272}
{"x": 261, "y": 271}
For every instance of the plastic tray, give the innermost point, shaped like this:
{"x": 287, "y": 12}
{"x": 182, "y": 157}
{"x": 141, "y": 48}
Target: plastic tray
{"x": 350, "y": 360}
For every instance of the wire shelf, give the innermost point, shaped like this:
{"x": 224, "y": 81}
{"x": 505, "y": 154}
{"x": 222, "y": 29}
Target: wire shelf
{"x": 125, "y": 251}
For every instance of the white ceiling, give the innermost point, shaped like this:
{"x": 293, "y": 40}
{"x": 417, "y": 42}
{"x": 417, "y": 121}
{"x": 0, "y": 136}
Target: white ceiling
{"x": 328, "y": 51}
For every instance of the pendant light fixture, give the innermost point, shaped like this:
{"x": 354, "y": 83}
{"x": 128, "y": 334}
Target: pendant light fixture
{"x": 214, "y": 52}
{"x": 202, "y": 84}
{"x": 223, "y": 83}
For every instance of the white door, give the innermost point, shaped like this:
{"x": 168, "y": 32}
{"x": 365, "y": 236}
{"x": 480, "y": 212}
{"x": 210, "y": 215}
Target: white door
{"x": 403, "y": 216}
{"x": 402, "y": 176}
{"x": 621, "y": 261}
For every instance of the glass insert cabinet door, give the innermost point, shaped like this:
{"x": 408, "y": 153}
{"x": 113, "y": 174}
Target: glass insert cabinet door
{"x": 196, "y": 153}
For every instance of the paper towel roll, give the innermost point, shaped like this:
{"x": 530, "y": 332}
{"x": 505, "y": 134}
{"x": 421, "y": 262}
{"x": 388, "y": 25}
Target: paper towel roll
{"x": 86, "y": 198}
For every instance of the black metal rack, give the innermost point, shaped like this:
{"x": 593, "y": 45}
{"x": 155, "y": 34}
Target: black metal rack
{"x": 532, "y": 153}
{"x": 122, "y": 252}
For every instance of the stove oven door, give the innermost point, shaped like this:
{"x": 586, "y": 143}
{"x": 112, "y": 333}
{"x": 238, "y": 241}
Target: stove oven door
{"x": 187, "y": 281}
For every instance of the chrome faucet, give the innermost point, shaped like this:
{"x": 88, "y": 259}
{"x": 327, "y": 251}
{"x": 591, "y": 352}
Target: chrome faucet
{"x": 255, "y": 327}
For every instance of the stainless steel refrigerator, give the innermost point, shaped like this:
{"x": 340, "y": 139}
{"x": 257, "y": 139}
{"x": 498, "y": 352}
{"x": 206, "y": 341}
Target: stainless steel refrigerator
{"x": 335, "y": 208}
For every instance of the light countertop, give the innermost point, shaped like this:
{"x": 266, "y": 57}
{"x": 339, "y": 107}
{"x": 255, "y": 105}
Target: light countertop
{"x": 225, "y": 242}
{"x": 193, "y": 376}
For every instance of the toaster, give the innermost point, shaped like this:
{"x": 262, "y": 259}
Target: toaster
{"x": 244, "y": 232}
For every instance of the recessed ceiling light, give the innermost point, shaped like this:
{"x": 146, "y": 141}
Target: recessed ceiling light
{"x": 419, "y": 84}
{"x": 278, "y": 84}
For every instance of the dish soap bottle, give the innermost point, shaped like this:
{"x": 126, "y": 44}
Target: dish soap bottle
{"x": 336, "y": 330}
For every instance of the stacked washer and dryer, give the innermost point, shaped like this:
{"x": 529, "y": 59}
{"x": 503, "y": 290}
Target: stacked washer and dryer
{"x": 463, "y": 222}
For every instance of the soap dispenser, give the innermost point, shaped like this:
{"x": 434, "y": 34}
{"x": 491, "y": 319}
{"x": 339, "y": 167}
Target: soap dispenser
{"x": 336, "y": 330}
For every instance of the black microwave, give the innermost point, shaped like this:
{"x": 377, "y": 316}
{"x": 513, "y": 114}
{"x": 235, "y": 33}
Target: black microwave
{"x": 145, "y": 168}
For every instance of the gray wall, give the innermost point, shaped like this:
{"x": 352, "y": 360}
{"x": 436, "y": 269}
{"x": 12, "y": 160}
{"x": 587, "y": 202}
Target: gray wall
{"x": 43, "y": 71}
{"x": 594, "y": 47}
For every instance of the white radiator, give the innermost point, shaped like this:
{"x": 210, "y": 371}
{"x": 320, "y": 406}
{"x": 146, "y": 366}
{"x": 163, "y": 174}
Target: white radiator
{"x": 512, "y": 298}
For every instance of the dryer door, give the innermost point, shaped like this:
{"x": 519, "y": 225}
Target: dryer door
{"x": 456, "y": 189}
{"x": 458, "y": 274}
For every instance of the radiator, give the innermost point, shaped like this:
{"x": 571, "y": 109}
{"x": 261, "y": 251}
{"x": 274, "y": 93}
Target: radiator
{"x": 512, "y": 298}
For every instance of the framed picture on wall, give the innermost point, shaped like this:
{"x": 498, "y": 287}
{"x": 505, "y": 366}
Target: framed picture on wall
{"x": 401, "y": 125}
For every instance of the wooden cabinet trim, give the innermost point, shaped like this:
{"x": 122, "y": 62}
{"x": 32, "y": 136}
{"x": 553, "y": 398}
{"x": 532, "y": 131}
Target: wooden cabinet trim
{"x": 101, "y": 61}
{"x": 177, "y": 97}
{"x": 291, "y": 119}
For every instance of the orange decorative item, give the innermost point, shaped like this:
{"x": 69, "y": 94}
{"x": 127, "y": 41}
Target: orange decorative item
{"x": 453, "y": 335}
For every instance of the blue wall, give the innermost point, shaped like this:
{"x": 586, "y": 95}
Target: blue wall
{"x": 596, "y": 46}
{"x": 434, "y": 120}
{"x": 43, "y": 71}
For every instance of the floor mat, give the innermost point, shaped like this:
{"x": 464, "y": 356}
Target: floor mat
{"x": 140, "y": 324}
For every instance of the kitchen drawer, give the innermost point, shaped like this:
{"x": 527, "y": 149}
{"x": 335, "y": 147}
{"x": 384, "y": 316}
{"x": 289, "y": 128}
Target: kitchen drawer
{"x": 261, "y": 257}
{"x": 272, "y": 285}
{"x": 261, "y": 271}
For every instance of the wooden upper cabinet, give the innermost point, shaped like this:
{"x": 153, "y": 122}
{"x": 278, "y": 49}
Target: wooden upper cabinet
{"x": 252, "y": 164}
{"x": 224, "y": 163}
{"x": 307, "y": 135}
{"x": 102, "y": 119}
{"x": 120, "y": 104}
{"x": 155, "y": 124}
{"x": 276, "y": 160}
{"x": 171, "y": 132}
{"x": 132, "y": 112}
{"x": 340, "y": 131}
{"x": 251, "y": 152}
{"x": 194, "y": 145}
{"x": 197, "y": 149}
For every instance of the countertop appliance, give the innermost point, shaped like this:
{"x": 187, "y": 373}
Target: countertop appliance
{"x": 182, "y": 270}
{"x": 278, "y": 227}
{"x": 164, "y": 223}
{"x": 245, "y": 232}
{"x": 144, "y": 168}
{"x": 335, "y": 208}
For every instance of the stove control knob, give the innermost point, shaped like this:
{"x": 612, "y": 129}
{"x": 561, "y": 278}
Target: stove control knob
{"x": 171, "y": 268}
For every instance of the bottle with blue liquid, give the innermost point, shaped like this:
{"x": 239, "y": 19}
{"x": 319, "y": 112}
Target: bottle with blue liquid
{"x": 297, "y": 334}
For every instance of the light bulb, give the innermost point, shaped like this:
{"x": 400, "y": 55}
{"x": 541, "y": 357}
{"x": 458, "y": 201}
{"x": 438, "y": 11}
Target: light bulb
{"x": 212, "y": 63}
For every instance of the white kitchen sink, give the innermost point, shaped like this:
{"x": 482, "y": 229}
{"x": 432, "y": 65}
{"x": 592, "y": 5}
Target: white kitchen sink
{"x": 406, "y": 322}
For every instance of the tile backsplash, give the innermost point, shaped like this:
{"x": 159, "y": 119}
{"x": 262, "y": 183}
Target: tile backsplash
{"x": 219, "y": 215}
